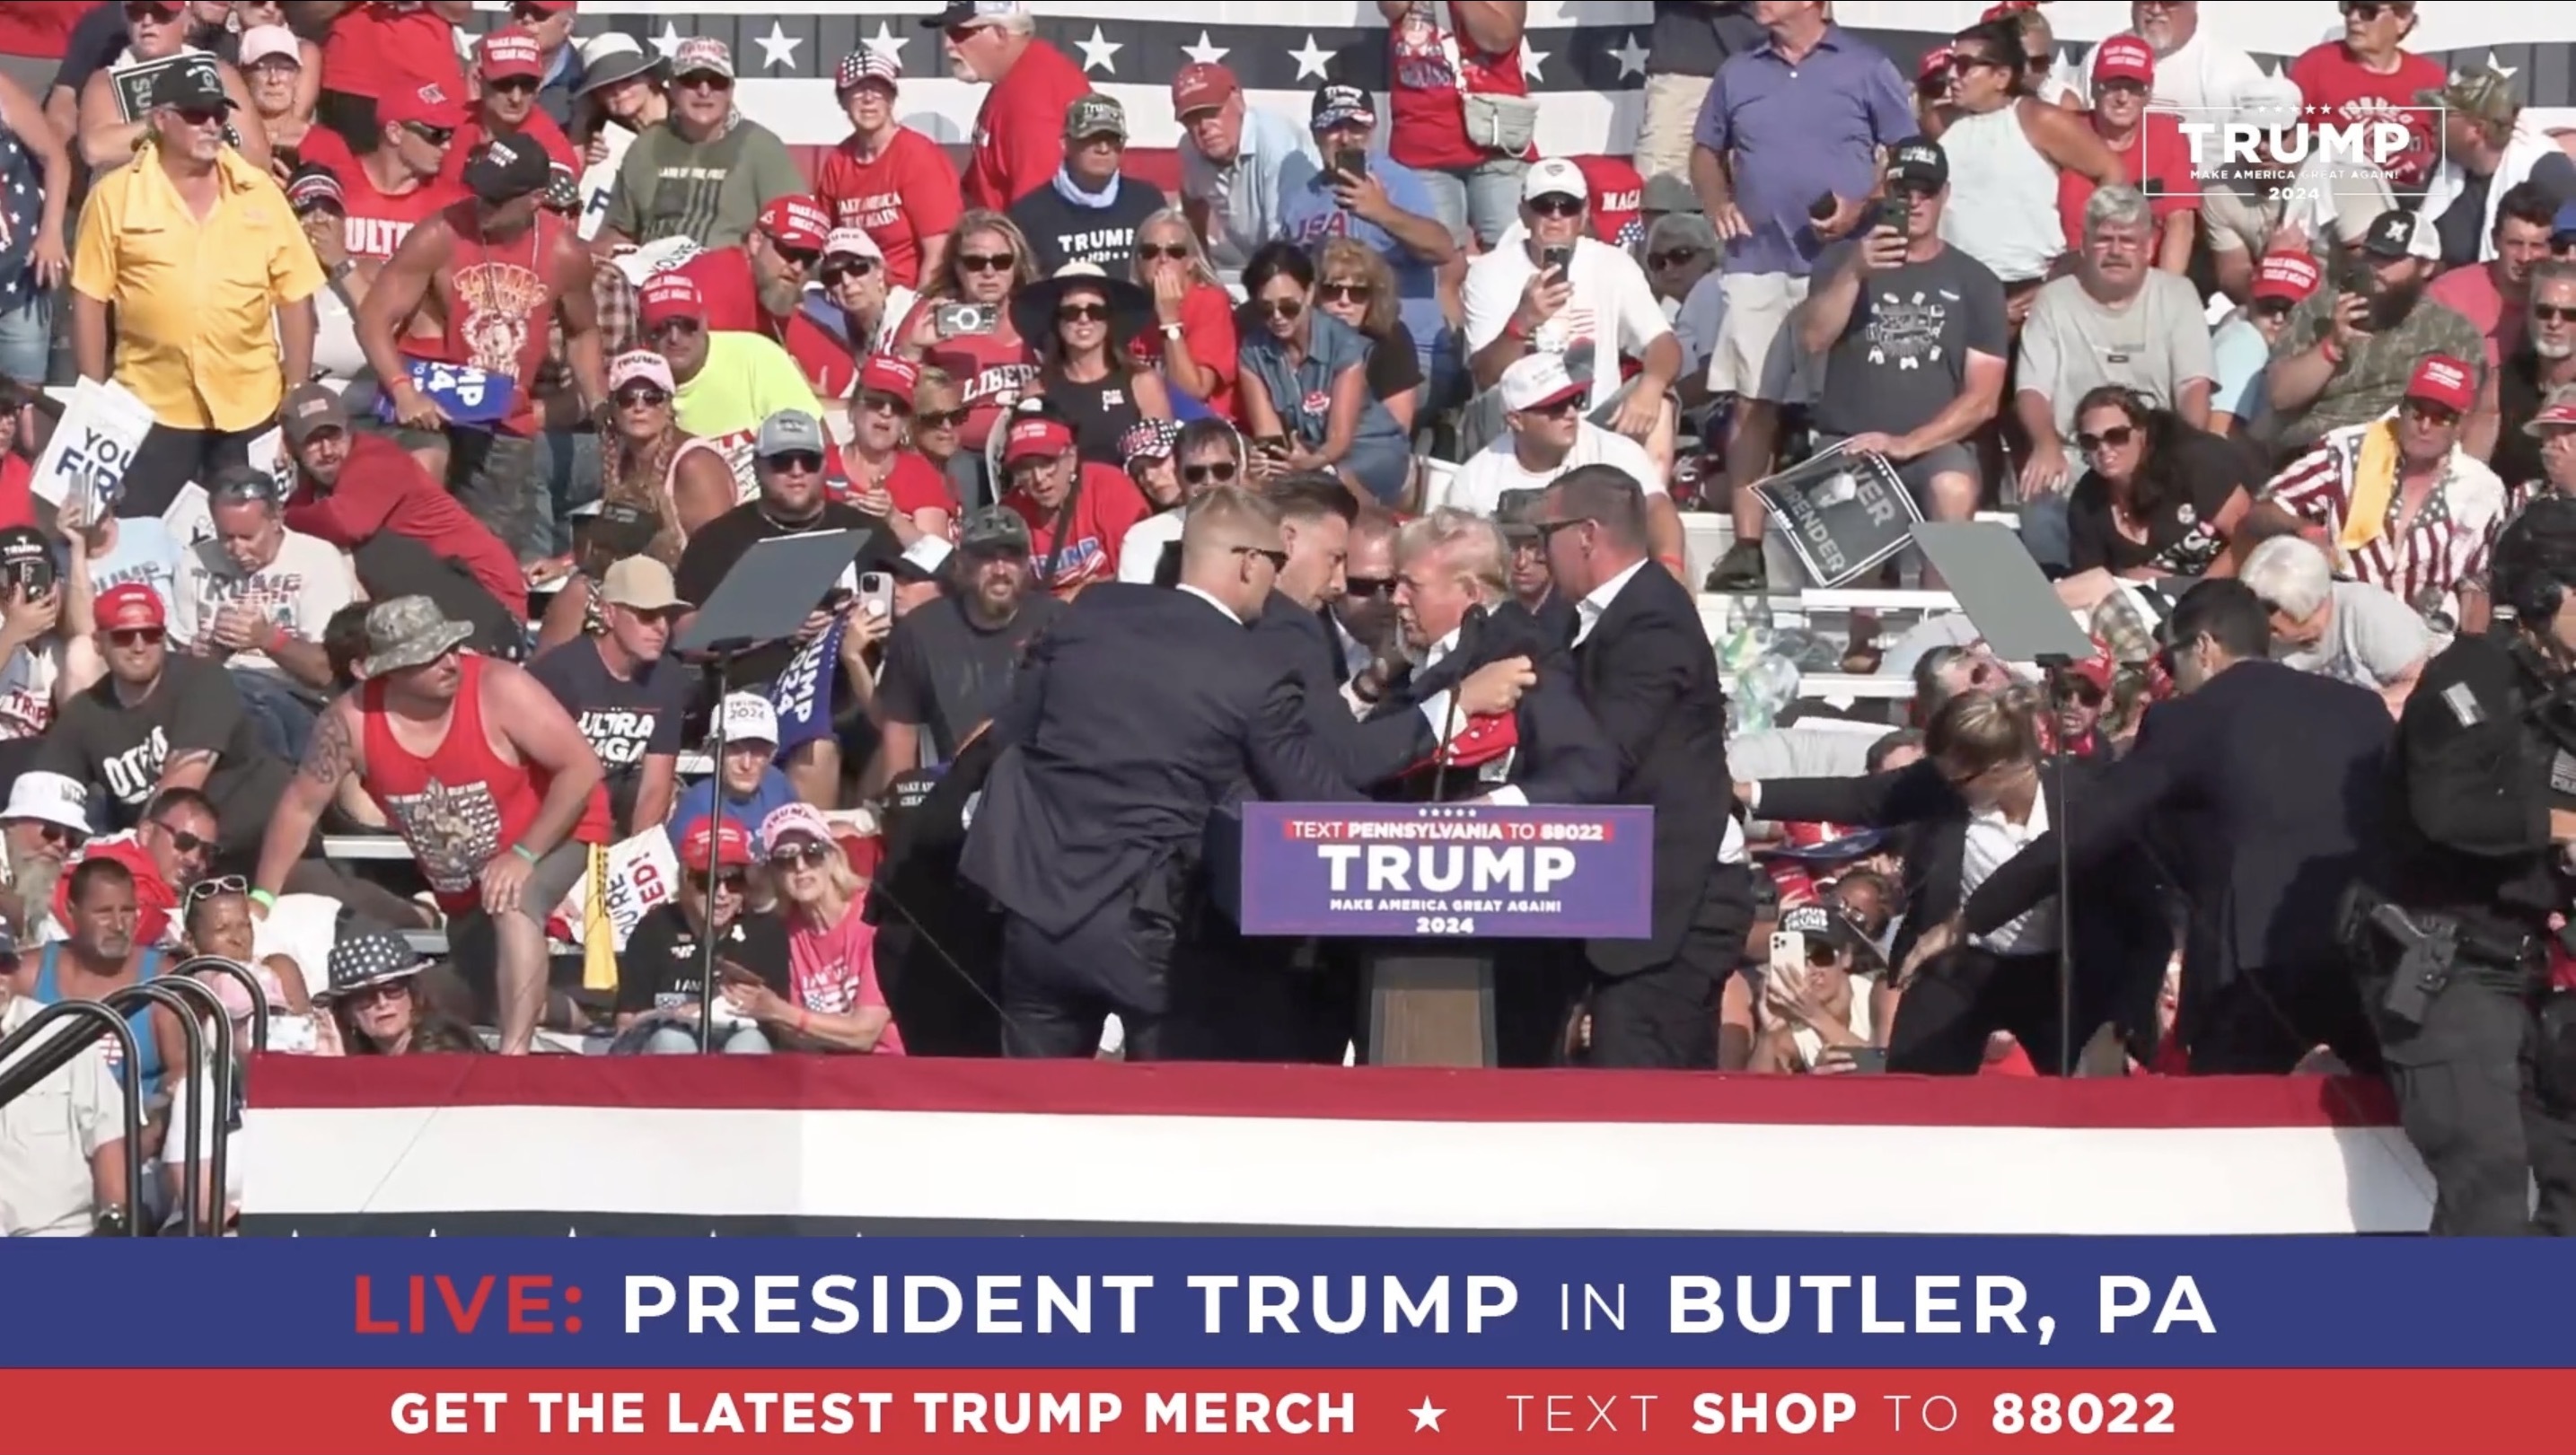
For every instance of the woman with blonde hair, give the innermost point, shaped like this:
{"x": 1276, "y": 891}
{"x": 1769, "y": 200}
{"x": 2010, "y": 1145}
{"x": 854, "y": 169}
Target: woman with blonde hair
{"x": 834, "y": 1002}
{"x": 1358, "y": 288}
{"x": 963, "y": 323}
{"x": 1193, "y": 339}
{"x": 649, "y": 462}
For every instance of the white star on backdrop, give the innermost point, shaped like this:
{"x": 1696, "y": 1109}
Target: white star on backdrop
{"x": 1531, "y": 60}
{"x": 1426, "y": 1416}
{"x": 885, "y": 43}
{"x": 1630, "y": 55}
{"x": 1100, "y": 52}
{"x": 1207, "y": 52}
{"x": 2499, "y": 67}
{"x": 668, "y": 42}
{"x": 1312, "y": 60}
{"x": 778, "y": 48}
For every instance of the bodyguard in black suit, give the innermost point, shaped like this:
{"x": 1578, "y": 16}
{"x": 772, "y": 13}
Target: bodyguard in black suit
{"x": 2282, "y": 775}
{"x": 1979, "y": 789}
{"x": 1644, "y": 667}
{"x": 1139, "y": 711}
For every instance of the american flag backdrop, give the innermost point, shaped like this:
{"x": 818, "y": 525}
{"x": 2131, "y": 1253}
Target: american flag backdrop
{"x": 1586, "y": 58}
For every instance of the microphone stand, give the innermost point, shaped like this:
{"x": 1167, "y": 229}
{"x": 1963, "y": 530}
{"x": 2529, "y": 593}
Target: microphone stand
{"x": 1469, "y": 628}
{"x": 725, "y": 655}
{"x": 2057, "y": 665}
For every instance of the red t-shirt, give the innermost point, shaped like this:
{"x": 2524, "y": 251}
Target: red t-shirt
{"x": 915, "y": 484}
{"x": 378, "y": 221}
{"x": 558, "y": 147}
{"x": 2339, "y": 91}
{"x": 1426, "y": 70}
{"x": 2471, "y": 292}
{"x": 384, "y": 490}
{"x": 907, "y": 196}
{"x": 1207, "y": 326}
{"x": 43, "y": 29}
{"x": 17, "y": 491}
{"x": 1110, "y": 505}
{"x": 2158, "y": 152}
{"x": 380, "y": 42}
{"x": 986, "y": 366}
{"x": 1019, "y": 135}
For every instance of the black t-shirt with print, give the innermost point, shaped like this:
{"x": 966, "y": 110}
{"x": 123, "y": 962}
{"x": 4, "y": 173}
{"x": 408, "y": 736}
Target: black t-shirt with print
{"x": 195, "y": 708}
{"x": 945, "y": 673}
{"x": 659, "y": 967}
{"x": 1061, "y": 232}
{"x": 2182, "y": 538}
{"x": 626, "y": 719}
{"x": 714, "y": 552}
{"x": 1394, "y": 365}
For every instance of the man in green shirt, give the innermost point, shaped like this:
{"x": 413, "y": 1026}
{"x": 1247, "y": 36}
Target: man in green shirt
{"x": 705, "y": 171}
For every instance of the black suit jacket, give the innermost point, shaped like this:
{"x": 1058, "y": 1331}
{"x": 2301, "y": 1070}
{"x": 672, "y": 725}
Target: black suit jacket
{"x": 2283, "y": 775}
{"x": 1649, "y": 676}
{"x": 1562, "y": 756}
{"x": 1364, "y": 751}
{"x": 1140, "y": 710}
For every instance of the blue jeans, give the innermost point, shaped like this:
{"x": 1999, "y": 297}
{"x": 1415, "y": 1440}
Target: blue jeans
{"x": 664, "y": 1037}
{"x": 2044, "y": 531}
{"x": 283, "y": 720}
{"x": 570, "y": 462}
{"x": 1484, "y": 199}
{"x": 26, "y": 337}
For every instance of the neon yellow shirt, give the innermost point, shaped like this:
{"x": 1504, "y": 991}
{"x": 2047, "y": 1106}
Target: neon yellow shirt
{"x": 747, "y": 378}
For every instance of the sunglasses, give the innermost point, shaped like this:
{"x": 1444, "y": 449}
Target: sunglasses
{"x": 152, "y": 12}
{"x": 184, "y": 841}
{"x": 223, "y": 884}
{"x": 1346, "y": 292}
{"x": 2116, "y": 437}
{"x": 808, "y": 856}
{"x": 703, "y": 81}
{"x": 201, "y": 115}
{"x": 1278, "y": 559}
{"x": 2373, "y": 9}
{"x": 855, "y": 268}
{"x": 1368, "y": 585}
{"x": 641, "y": 396}
{"x": 2281, "y": 308}
{"x": 986, "y": 262}
{"x": 1557, "y": 206}
{"x": 939, "y": 418}
{"x": 1174, "y": 251}
{"x": 2427, "y": 412}
{"x": 797, "y": 258}
{"x": 728, "y": 881}
{"x": 1218, "y": 473}
{"x": 2084, "y": 694}
{"x": 513, "y": 83}
{"x": 54, "y": 833}
{"x": 2552, "y": 313}
{"x": 1673, "y": 258}
{"x": 137, "y": 636}
{"x": 1823, "y": 953}
{"x": 794, "y": 462}
{"x": 1083, "y": 313}
{"x": 885, "y": 404}
{"x": 1279, "y": 307}
{"x": 437, "y": 136}
{"x": 1961, "y": 65}
{"x": 671, "y": 326}
{"x": 381, "y": 990}
{"x": 2038, "y": 60}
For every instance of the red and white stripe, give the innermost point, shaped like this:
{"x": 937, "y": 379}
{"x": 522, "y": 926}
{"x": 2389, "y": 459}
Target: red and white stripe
{"x": 2435, "y": 558}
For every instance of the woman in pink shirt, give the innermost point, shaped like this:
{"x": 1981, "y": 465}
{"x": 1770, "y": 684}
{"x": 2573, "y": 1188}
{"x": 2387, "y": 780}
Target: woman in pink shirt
{"x": 834, "y": 1001}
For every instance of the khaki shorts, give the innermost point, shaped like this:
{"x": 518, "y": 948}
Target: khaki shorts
{"x": 1756, "y": 356}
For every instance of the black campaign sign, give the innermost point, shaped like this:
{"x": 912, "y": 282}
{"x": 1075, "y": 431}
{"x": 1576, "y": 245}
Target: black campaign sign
{"x": 134, "y": 83}
{"x": 1844, "y": 513}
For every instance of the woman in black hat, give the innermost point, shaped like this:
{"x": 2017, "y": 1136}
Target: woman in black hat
{"x": 1082, "y": 322}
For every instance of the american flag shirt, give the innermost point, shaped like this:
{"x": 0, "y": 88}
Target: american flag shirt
{"x": 22, "y": 207}
{"x": 2443, "y": 550}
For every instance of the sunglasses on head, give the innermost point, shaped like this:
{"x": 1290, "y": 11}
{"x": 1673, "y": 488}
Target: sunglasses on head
{"x": 437, "y": 136}
{"x": 1174, "y": 251}
{"x": 939, "y": 418}
{"x": 1083, "y": 313}
{"x": 854, "y": 268}
{"x": 641, "y": 396}
{"x": 1557, "y": 206}
{"x": 808, "y": 855}
{"x": 221, "y": 884}
{"x": 986, "y": 262}
{"x": 1346, "y": 292}
{"x": 1279, "y": 307}
{"x": 2116, "y": 437}
{"x": 1368, "y": 585}
{"x": 184, "y": 841}
{"x": 1218, "y": 473}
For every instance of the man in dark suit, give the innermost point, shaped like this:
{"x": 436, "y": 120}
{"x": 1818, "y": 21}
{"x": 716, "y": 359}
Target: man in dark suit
{"x": 2282, "y": 775}
{"x": 1139, "y": 711}
{"x": 1644, "y": 667}
{"x": 1975, "y": 797}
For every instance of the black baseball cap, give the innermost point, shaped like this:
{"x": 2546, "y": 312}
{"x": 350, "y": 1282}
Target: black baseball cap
{"x": 1337, "y": 104}
{"x": 1919, "y": 162}
{"x": 20, "y": 544}
{"x": 506, "y": 168}
{"x": 2391, "y": 235}
{"x": 1830, "y": 925}
{"x": 192, "y": 88}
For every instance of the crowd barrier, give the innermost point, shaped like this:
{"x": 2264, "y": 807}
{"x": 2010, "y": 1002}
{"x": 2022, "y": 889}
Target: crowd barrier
{"x": 460, "y": 1145}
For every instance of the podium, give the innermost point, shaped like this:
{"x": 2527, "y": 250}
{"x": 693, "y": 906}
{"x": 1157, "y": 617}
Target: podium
{"x": 1426, "y": 894}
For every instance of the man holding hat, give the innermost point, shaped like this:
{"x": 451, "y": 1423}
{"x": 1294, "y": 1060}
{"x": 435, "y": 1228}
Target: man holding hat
{"x": 488, "y": 780}
{"x": 2347, "y": 355}
{"x": 886, "y": 178}
{"x": 1077, "y": 513}
{"x": 211, "y": 321}
{"x": 351, "y": 488}
{"x": 1234, "y": 163}
{"x": 1089, "y": 212}
{"x": 502, "y": 270}
{"x": 705, "y": 170}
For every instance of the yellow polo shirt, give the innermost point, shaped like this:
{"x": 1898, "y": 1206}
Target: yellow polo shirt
{"x": 195, "y": 301}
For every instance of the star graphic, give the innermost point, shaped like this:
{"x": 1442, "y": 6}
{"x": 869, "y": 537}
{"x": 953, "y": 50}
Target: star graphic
{"x": 2499, "y": 67}
{"x": 778, "y": 48}
{"x": 668, "y": 42}
{"x": 1100, "y": 52}
{"x": 1427, "y": 1416}
{"x": 1206, "y": 52}
{"x": 1630, "y": 55}
{"x": 885, "y": 43}
{"x": 1312, "y": 60}
{"x": 1531, "y": 60}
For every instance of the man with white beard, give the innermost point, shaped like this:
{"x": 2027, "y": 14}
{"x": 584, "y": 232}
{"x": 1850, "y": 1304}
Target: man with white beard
{"x": 2531, "y": 375}
{"x": 2198, "y": 75}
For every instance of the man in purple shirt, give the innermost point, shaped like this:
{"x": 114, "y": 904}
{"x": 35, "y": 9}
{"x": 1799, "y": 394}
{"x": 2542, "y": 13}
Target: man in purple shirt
{"x": 1789, "y": 127}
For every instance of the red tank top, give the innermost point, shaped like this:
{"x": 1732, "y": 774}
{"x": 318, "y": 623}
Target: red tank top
{"x": 464, "y": 804}
{"x": 500, "y": 306}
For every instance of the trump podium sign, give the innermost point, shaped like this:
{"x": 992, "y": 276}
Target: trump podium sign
{"x": 1381, "y": 870}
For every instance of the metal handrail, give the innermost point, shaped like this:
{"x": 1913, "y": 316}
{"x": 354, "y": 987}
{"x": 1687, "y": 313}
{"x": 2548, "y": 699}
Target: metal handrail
{"x": 224, "y": 1076}
{"x": 192, "y": 1038}
{"x": 57, "y": 1052}
{"x": 241, "y": 975}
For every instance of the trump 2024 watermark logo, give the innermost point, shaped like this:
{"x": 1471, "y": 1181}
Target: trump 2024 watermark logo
{"x": 2314, "y": 159}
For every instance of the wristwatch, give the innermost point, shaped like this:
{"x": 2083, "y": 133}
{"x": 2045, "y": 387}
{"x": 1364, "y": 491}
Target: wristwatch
{"x": 1171, "y": 330}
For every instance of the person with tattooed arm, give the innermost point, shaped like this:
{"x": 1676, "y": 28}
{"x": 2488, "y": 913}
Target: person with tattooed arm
{"x": 486, "y": 777}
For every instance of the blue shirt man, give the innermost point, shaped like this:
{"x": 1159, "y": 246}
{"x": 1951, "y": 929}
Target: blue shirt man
{"x": 1234, "y": 202}
{"x": 1405, "y": 229}
{"x": 1794, "y": 119}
